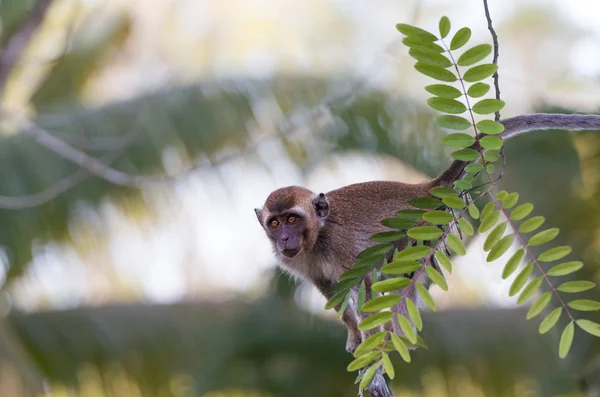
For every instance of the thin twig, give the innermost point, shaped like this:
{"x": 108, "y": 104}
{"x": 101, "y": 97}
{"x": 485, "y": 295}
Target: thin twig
{"x": 496, "y": 47}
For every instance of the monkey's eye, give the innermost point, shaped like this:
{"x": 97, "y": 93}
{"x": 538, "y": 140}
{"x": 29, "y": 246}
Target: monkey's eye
{"x": 274, "y": 223}
{"x": 292, "y": 219}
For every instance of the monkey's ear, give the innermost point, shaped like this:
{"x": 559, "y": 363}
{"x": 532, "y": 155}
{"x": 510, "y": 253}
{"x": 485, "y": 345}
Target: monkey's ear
{"x": 321, "y": 205}
{"x": 258, "y": 213}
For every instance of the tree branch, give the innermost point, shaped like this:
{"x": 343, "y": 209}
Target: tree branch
{"x": 496, "y": 46}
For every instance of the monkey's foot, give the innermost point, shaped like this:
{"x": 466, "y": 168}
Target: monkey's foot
{"x": 352, "y": 342}
{"x": 378, "y": 386}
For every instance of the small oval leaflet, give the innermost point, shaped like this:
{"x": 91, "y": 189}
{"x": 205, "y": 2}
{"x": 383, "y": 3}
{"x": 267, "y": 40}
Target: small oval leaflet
{"x": 378, "y": 249}
{"x": 407, "y": 328}
{"x": 539, "y": 305}
{"x": 492, "y": 155}
{"x": 437, "y": 278}
{"x": 487, "y": 209}
{"x": 510, "y": 200}
{"x": 521, "y": 211}
{"x": 425, "y": 202}
{"x": 576, "y": 286}
{"x": 454, "y": 202}
{"x": 456, "y": 245}
{"x": 369, "y": 344}
{"x": 529, "y": 290}
{"x": 473, "y": 212}
{"x": 491, "y": 142}
{"x": 490, "y": 168}
{"x": 375, "y": 320}
{"x": 441, "y": 192}
{"x": 362, "y": 292}
{"x": 513, "y": 263}
{"x": 444, "y": 26}
{"x": 410, "y": 214}
{"x": 414, "y": 314}
{"x": 520, "y": 280}
{"x": 500, "y": 248}
{"x": 391, "y": 284}
{"x": 344, "y": 306}
{"x": 438, "y": 217}
{"x": 473, "y": 168}
{"x": 426, "y": 296}
{"x": 489, "y": 221}
{"x": 368, "y": 377}
{"x": 409, "y": 30}
{"x": 463, "y": 185}
{"x": 466, "y": 227}
{"x": 566, "y": 340}
{"x": 532, "y": 224}
{"x": 452, "y": 122}
{"x": 362, "y": 361}
{"x": 565, "y": 268}
{"x": 550, "y": 320}
{"x": 356, "y": 271}
{"x": 398, "y": 223}
{"x": 443, "y": 260}
{"x": 412, "y": 253}
{"x": 336, "y": 299}
{"x": 381, "y": 302}
{"x": 474, "y": 55}
{"x": 385, "y": 237}
{"x": 422, "y": 45}
{"x": 478, "y": 90}
{"x": 443, "y": 91}
{"x": 430, "y": 58}
{"x": 460, "y": 38}
{"x": 543, "y": 237}
{"x": 490, "y": 127}
{"x": 435, "y": 72}
{"x": 459, "y": 140}
{"x": 400, "y": 347}
{"x": 400, "y": 267}
{"x": 487, "y": 106}
{"x": 388, "y": 366}
{"x": 465, "y": 154}
{"x": 584, "y": 305}
{"x": 495, "y": 236}
{"x": 447, "y": 105}
{"x": 480, "y": 72}
{"x": 554, "y": 254}
{"x": 590, "y": 327}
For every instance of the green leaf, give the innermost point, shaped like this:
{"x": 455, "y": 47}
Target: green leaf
{"x": 532, "y": 224}
{"x": 529, "y": 290}
{"x": 409, "y": 30}
{"x": 565, "y": 268}
{"x": 452, "y": 122}
{"x": 374, "y": 277}
{"x": 520, "y": 280}
{"x": 378, "y": 249}
{"x": 489, "y": 221}
{"x": 356, "y": 271}
{"x": 346, "y": 284}
{"x": 521, "y": 211}
{"x": 480, "y": 72}
{"x": 443, "y": 260}
{"x": 435, "y": 72}
{"x": 436, "y": 277}
{"x": 513, "y": 263}
{"x": 369, "y": 344}
{"x": 576, "y": 286}
{"x": 487, "y": 106}
{"x": 422, "y": 45}
{"x": 510, "y": 200}
{"x": 443, "y": 91}
{"x": 462, "y": 185}
{"x": 401, "y": 267}
{"x": 400, "y": 347}
{"x": 454, "y": 202}
{"x": 456, "y": 245}
{"x": 430, "y": 58}
{"x": 407, "y": 328}
{"x": 490, "y": 127}
{"x": 543, "y": 237}
{"x": 465, "y": 154}
{"x": 368, "y": 377}
{"x": 410, "y": 214}
{"x": 478, "y": 90}
{"x": 388, "y": 366}
{"x": 336, "y": 299}
{"x": 441, "y": 192}
{"x": 375, "y": 320}
{"x": 447, "y": 105}
{"x": 414, "y": 314}
{"x": 385, "y": 237}
{"x": 444, "y": 26}
{"x": 473, "y": 211}
{"x": 491, "y": 142}
{"x": 474, "y": 55}
{"x": 398, "y": 223}
{"x": 425, "y": 202}
{"x": 550, "y": 320}
{"x": 361, "y": 361}
{"x": 426, "y": 296}
{"x": 490, "y": 168}
{"x": 460, "y": 38}
{"x": 424, "y": 233}
{"x": 390, "y": 284}
{"x": 539, "y": 305}
{"x": 487, "y": 210}
{"x": 494, "y": 236}
{"x": 584, "y": 305}
{"x": 381, "y": 302}
{"x": 473, "y": 168}
{"x": 438, "y": 217}
{"x": 566, "y": 340}
{"x": 466, "y": 227}
{"x": 590, "y": 327}
{"x": 554, "y": 254}
{"x": 500, "y": 248}
{"x": 344, "y": 306}
{"x": 501, "y": 195}
{"x": 412, "y": 253}
{"x": 360, "y": 300}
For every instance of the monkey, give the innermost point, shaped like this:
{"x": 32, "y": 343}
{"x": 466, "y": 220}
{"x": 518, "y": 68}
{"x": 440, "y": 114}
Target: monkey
{"x": 317, "y": 236}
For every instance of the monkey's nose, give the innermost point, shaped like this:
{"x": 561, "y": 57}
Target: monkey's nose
{"x": 285, "y": 238}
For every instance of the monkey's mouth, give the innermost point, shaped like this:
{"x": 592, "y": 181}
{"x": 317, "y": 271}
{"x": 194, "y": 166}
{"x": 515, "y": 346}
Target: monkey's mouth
{"x": 290, "y": 253}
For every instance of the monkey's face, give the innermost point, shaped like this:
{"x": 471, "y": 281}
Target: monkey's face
{"x": 287, "y": 231}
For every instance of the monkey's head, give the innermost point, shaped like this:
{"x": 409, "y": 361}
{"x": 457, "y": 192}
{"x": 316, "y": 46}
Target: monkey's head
{"x": 292, "y": 217}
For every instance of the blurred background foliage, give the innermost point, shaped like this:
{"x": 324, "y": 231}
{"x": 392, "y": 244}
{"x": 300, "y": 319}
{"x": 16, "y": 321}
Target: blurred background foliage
{"x": 113, "y": 291}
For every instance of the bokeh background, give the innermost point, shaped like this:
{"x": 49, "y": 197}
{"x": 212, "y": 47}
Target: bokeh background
{"x": 173, "y": 290}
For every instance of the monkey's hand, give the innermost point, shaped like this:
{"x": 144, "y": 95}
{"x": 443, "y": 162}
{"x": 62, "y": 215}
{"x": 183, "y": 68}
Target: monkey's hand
{"x": 353, "y": 340}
